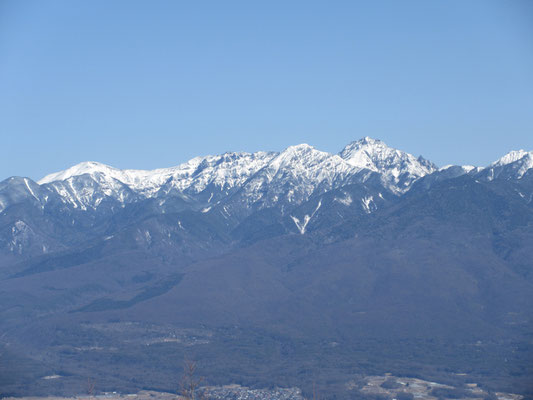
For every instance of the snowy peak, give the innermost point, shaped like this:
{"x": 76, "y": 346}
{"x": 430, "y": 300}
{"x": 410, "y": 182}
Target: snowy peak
{"x": 88, "y": 167}
{"x": 89, "y": 183}
{"x": 294, "y": 175}
{"x": 398, "y": 168}
{"x": 140, "y": 180}
{"x": 513, "y": 165}
{"x": 375, "y": 155}
{"x": 225, "y": 171}
{"x": 308, "y": 164}
{"x": 362, "y": 153}
{"x": 513, "y": 156}
{"x": 299, "y": 156}
{"x": 90, "y": 190}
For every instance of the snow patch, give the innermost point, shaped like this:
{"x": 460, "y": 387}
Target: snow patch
{"x": 302, "y": 225}
{"x": 148, "y": 237}
{"x": 29, "y": 188}
{"x": 368, "y": 204}
{"x": 51, "y": 377}
{"x": 346, "y": 200}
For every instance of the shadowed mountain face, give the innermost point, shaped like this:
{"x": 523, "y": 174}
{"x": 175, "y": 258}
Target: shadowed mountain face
{"x": 269, "y": 269}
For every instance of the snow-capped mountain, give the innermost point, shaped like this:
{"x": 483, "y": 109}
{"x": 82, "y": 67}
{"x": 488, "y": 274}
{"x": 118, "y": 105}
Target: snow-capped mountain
{"x": 266, "y": 177}
{"x": 262, "y": 179}
{"x": 513, "y": 165}
{"x": 87, "y": 184}
{"x": 225, "y": 171}
{"x": 304, "y": 189}
{"x": 294, "y": 175}
{"x": 398, "y": 169}
{"x": 231, "y": 186}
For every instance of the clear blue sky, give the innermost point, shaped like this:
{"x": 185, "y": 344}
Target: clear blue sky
{"x": 146, "y": 84}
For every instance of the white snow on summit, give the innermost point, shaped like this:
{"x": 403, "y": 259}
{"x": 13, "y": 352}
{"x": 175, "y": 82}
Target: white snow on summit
{"x": 397, "y": 167}
{"x": 511, "y": 157}
{"x": 375, "y": 155}
{"x": 226, "y": 170}
{"x": 516, "y": 163}
{"x": 136, "y": 179}
{"x": 294, "y": 174}
{"x": 88, "y": 167}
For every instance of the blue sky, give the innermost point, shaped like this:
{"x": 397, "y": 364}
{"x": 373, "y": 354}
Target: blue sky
{"x": 146, "y": 84}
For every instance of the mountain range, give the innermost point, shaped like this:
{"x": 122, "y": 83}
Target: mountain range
{"x": 269, "y": 268}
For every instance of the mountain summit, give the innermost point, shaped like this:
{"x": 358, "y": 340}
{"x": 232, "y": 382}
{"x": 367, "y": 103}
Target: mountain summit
{"x": 399, "y": 169}
{"x": 375, "y": 155}
{"x": 514, "y": 165}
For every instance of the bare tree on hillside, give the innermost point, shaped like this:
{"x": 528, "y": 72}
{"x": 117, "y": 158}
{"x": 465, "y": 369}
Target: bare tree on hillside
{"x": 90, "y": 387}
{"x": 190, "y": 383}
